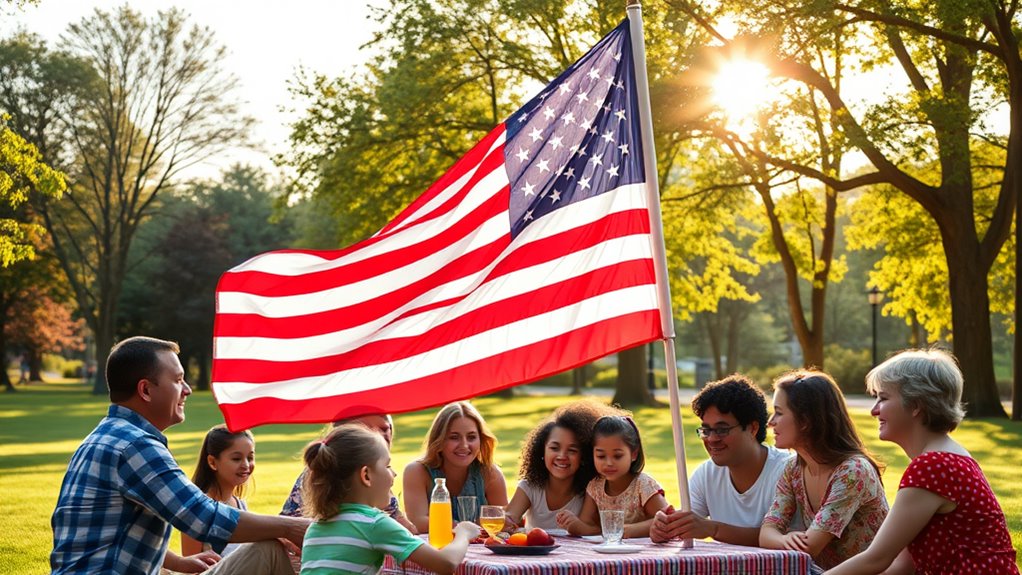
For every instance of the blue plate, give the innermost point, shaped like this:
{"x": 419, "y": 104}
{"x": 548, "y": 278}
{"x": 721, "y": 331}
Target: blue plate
{"x": 521, "y": 549}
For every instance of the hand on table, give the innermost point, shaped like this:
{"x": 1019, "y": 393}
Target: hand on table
{"x": 467, "y": 528}
{"x": 796, "y": 541}
{"x": 670, "y": 524}
{"x": 569, "y": 521}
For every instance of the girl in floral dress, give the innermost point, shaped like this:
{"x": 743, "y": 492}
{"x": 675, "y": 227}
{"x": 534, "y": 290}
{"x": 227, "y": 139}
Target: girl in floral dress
{"x": 830, "y": 501}
{"x": 619, "y": 484}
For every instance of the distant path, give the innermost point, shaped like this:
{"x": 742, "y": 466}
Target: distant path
{"x": 685, "y": 394}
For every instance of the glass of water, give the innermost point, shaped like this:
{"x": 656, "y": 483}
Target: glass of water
{"x": 468, "y": 510}
{"x": 613, "y": 524}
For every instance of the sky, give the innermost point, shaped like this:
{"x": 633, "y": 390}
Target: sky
{"x": 266, "y": 42}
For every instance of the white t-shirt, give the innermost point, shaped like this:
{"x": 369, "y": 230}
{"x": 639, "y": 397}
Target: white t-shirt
{"x": 714, "y": 496}
{"x": 539, "y": 513}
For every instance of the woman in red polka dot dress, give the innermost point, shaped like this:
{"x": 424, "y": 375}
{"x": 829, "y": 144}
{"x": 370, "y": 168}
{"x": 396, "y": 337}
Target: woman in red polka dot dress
{"x": 945, "y": 518}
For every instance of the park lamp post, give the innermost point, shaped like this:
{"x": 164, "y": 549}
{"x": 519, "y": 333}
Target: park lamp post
{"x": 875, "y": 296}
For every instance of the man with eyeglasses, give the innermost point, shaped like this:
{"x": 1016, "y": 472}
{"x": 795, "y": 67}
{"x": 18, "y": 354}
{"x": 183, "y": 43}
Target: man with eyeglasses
{"x": 733, "y": 490}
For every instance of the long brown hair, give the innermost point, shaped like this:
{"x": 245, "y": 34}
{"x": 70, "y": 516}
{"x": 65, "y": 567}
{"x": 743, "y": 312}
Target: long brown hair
{"x": 819, "y": 409}
{"x": 434, "y": 442}
{"x": 218, "y": 439}
{"x": 333, "y": 464}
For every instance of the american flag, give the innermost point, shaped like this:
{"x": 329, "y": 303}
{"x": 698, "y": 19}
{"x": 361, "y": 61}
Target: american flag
{"x": 530, "y": 256}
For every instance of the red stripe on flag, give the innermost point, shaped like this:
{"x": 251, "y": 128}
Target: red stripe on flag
{"x": 460, "y": 168}
{"x": 512, "y": 367}
{"x": 615, "y": 225}
{"x": 496, "y": 314}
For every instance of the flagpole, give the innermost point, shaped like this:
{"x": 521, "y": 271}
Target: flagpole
{"x": 634, "y": 10}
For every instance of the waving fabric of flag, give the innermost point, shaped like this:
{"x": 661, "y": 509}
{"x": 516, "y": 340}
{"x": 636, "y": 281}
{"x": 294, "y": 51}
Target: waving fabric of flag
{"x": 530, "y": 256}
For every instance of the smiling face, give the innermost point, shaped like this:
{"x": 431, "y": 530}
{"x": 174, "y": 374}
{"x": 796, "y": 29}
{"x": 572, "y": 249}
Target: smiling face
{"x": 166, "y": 391}
{"x": 783, "y": 423}
{"x": 562, "y": 453}
{"x": 461, "y": 445}
{"x": 735, "y": 447}
{"x": 234, "y": 465}
{"x": 612, "y": 456}
{"x": 894, "y": 420}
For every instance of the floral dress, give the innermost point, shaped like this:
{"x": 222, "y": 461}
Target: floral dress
{"x": 853, "y": 507}
{"x": 632, "y": 500}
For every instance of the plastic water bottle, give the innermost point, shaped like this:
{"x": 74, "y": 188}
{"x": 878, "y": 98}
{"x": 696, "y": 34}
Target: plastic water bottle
{"x": 440, "y": 515}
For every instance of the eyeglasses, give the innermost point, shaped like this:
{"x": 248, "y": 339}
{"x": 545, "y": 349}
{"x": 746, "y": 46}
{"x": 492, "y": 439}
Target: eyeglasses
{"x": 706, "y": 432}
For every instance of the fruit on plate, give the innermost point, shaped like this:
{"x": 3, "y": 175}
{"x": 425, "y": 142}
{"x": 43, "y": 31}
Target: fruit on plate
{"x": 539, "y": 537}
{"x": 518, "y": 539}
{"x": 494, "y": 541}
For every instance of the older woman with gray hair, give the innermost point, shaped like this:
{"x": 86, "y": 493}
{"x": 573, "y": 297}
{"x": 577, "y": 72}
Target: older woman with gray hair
{"x": 945, "y": 518}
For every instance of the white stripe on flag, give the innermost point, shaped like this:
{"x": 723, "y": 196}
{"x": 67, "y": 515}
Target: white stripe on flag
{"x": 480, "y": 346}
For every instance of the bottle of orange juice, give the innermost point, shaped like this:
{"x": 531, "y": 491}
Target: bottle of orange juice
{"x": 440, "y": 515}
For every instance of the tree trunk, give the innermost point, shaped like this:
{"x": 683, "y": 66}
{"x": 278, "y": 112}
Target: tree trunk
{"x": 970, "y": 316}
{"x": 104, "y": 341}
{"x": 202, "y": 380}
{"x": 713, "y": 336}
{"x": 35, "y": 365}
{"x": 579, "y": 379}
{"x": 735, "y": 318}
{"x": 4, "y": 378}
{"x": 632, "y": 372}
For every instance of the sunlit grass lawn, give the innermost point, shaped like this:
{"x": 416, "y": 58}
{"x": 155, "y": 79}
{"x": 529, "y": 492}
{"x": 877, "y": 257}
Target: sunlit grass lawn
{"x": 42, "y": 424}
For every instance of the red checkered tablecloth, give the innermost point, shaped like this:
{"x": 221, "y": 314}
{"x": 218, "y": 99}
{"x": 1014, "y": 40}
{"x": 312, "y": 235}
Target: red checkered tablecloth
{"x": 577, "y": 557}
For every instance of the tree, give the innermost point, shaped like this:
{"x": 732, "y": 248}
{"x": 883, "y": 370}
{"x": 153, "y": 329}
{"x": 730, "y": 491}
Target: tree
{"x": 958, "y": 60}
{"x": 39, "y": 324}
{"x": 22, "y": 174}
{"x": 31, "y": 291}
{"x": 231, "y": 217}
{"x": 161, "y": 103}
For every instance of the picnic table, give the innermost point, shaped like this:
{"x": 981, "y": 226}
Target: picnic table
{"x": 577, "y": 556}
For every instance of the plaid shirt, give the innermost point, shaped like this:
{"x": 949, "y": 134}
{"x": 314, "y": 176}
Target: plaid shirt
{"x": 122, "y": 493}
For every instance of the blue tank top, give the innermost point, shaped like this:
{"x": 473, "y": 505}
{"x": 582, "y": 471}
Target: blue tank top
{"x": 473, "y": 486}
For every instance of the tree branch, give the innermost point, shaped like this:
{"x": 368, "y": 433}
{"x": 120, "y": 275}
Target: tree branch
{"x": 892, "y": 20}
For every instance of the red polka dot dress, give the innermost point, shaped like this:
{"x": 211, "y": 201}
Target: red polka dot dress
{"x": 971, "y": 539}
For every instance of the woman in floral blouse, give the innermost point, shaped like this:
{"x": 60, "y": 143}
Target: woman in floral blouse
{"x": 830, "y": 501}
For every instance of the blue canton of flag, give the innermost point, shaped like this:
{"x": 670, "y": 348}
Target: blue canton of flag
{"x": 579, "y": 137}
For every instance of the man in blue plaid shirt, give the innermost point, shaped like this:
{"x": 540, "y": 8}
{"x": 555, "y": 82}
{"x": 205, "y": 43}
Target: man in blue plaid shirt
{"x": 123, "y": 490}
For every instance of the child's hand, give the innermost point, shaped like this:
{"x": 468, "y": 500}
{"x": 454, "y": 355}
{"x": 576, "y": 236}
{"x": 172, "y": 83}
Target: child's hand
{"x": 796, "y": 541}
{"x": 563, "y": 518}
{"x": 468, "y": 529}
{"x": 569, "y": 521}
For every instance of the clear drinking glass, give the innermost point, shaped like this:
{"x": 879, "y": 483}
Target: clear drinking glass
{"x": 467, "y": 508}
{"x": 613, "y": 523}
{"x": 491, "y": 518}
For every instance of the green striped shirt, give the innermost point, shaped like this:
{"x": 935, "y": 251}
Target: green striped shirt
{"x": 355, "y": 541}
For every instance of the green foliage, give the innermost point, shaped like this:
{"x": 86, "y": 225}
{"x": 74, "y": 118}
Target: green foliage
{"x": 230, "y": 217}
{"x": 22, "y": 173}
{"x": 848, "y": 367}
{"x": 913, "y": 272}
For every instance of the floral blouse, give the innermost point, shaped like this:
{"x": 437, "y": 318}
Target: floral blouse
{"x": 853, "y": 507}
{"x": 631, "y": 500}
